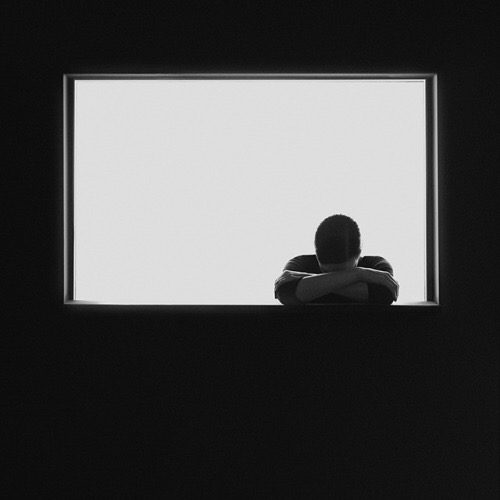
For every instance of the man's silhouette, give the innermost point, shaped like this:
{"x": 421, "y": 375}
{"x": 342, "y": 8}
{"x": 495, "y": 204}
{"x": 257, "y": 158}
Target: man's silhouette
{"x": 336, "y": 273}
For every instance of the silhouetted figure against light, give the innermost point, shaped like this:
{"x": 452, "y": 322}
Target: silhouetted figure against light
{"x": 337, "y": 273}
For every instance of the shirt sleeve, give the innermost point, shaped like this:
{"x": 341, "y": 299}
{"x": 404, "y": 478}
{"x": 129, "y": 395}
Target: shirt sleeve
{"x": 379, "y": 294}
{"x": 285, "y": 293}
{"x": 381, "y": 264}
{"x": 297, "y": 264}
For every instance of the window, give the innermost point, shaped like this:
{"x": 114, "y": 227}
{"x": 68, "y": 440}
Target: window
{"x": 197, "y": 189}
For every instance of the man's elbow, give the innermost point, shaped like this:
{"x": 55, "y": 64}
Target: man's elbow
{"x": 387, "y": 300}
{"x": 287, "y": 298}
{"x": 288, "y": 301}
{"x": 380, "y": 295}
{"x": 285, "y": 301}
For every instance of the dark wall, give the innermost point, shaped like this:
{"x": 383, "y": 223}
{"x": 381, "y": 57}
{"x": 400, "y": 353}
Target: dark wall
{"x": 392, "y": 402}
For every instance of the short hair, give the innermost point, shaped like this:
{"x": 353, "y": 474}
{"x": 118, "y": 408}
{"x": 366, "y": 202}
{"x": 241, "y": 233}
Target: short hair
{"x": 337, "y": 240}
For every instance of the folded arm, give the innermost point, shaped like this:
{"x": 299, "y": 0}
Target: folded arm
{"x": 345, "y": 283}
{"x": 294, "y": 287}
{"x": 363, "y": 285}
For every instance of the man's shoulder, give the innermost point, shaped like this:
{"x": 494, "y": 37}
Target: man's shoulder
{"x": 303, "y": 263}
{"x": 375, "y": 262}
{"x": 370, "y": 259}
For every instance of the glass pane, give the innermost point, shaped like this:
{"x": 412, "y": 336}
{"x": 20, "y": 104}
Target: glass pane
{"x": 199, "y": 191}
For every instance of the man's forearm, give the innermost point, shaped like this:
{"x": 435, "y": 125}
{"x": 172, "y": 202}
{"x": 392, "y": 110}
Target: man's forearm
{"x": 357, "y": 292}
{"x": 312, "y": 287}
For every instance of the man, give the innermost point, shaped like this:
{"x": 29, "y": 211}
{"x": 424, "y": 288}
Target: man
{"x": 337, "y": 273}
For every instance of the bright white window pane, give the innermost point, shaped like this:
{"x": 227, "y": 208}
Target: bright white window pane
{"x": 199, "y": 191}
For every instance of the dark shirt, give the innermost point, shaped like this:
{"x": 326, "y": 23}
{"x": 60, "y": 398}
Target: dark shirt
{"x": 377, "y": 294}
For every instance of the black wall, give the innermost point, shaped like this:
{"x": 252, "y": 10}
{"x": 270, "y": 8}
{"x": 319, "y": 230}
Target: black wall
{"x": 308, "y": 403}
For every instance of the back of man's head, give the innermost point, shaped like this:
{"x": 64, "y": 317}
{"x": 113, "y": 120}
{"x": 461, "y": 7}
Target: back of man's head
{"x": 337, "y": 240}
